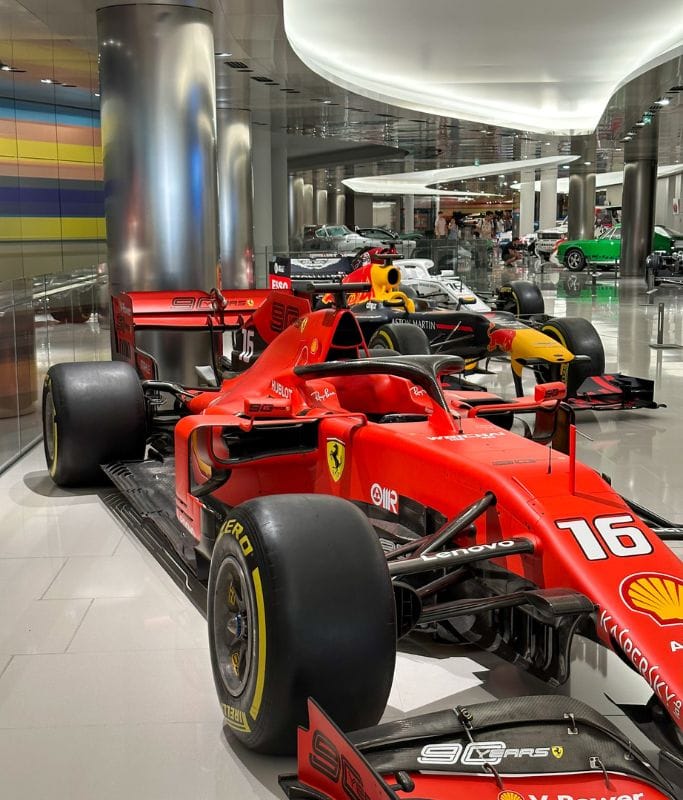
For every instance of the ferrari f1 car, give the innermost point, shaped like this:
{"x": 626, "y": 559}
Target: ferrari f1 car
{"x": 553, "y": 348}
{"x": 337, "y": 502}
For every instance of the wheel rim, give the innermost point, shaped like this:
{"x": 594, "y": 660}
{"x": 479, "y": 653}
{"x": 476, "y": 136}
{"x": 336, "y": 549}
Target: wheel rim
{"x": 574, "y": 259}
{"x": 233, "y": 633}
{"x": 49, "y": 417}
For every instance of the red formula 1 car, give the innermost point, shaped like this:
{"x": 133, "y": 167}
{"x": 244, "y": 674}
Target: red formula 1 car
{"x": 337, "y": 502}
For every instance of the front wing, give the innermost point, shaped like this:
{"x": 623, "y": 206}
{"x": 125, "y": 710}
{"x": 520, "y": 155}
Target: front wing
{"x": 531, "y": 748}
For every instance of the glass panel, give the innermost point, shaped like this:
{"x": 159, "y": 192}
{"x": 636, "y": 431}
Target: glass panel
{"x": 9, "y": 425}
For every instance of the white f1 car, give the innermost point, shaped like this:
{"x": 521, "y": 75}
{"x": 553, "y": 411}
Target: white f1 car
{"x": 444, "y": 289}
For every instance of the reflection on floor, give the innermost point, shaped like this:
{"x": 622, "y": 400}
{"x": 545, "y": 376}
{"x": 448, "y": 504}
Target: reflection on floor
{"x": 105, "y": 684}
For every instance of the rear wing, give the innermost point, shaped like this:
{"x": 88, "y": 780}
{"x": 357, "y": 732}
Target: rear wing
{"x": 197, "y": 313}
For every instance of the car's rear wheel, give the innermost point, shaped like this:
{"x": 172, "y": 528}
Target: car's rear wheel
{"x": 406, "y": 339}
{"x": 93, "y": 412}
{"x": 579, "y": 337}
{"x": 574, "y": 259}
{"x": 521, "y": 298}
{"x": 300, "y": 604}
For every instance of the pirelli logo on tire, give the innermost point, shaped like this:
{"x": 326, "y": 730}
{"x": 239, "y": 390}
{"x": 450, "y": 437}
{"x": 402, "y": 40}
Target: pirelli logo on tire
{"x": 236, "y": 529}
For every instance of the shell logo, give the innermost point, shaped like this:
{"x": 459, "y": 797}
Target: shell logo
{"x": 508, "y": 794}
{"x": 657, "y": 595}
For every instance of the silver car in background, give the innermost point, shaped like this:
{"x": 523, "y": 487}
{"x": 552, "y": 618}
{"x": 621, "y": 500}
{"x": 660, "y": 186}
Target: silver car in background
{"x": 335, "y": 239}
{"x": 385, "y": 236}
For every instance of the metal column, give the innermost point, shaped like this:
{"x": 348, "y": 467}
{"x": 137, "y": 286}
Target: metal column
{"x": 235, "y": 198}
{"x": 159, "y": 148}
{"x": 263, "y": 203}
{"x": 296, "y": 211}
{"x": 547, "y": 214}
{"x": 279, "y": 190}
{"x": 581, "y": 221}
{"x": 638, "y": 199}
{"x": 527, "y": 197}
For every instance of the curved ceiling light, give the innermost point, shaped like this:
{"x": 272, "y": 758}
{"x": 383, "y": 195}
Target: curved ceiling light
{"x": 605, "y": 179}
{"x": 533, "y": 65}
{"x": 423, "y": 183}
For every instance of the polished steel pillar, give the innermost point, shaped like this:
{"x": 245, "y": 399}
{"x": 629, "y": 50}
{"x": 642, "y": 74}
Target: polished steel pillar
{"x": 235, "y": 198}
{"x": 581, "y": 221}
{"x": 296, "y": 211}
{"x": 547, "y": 207}
{"x": 158, "y": 139}
{"x": 159, "y": 148}
{"x": 408, "y": 199}
{"x": 263, "y": 203}
{"x": 527, "y": 198}
{"x": 309, "y": 206}
{"x": 321, "y": 217}
{"x": 279, "y": 192}
{"x": 638, "y": 199}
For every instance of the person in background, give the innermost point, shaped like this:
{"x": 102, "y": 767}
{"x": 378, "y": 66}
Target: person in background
{"x": 511, "y": 252}
{"x": 453, "y": 231}
{"x": 440, "y": 227}
{"x": 486, "y": 228}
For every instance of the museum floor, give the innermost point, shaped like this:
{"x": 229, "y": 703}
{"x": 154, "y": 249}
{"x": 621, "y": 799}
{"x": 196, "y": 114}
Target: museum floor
{"x": 105, "y": 683}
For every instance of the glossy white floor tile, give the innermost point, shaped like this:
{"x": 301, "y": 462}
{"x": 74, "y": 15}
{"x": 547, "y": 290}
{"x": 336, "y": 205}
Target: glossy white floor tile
{"x": 105, "y": 681}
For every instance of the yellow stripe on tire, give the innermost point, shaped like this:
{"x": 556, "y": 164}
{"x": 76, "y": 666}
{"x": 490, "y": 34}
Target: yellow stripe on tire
{"x": 261, "y": 628}
{"x": 385, "y": 336}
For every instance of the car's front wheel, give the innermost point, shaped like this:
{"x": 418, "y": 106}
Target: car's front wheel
{"x": 403, "y": 338}
{"x": 574, "y": 259}
{"x": 300, "y": 604}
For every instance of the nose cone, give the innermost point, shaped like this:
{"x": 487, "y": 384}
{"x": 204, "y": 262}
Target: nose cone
{"x": 529, "y": 343}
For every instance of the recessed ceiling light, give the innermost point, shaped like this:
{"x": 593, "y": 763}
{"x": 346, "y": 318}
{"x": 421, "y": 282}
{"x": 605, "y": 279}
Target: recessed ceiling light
{"x": 565, "y": 166}
{"x": 663, "y": 101}
{"x": 46, "y": 80}
{"x": 587, "y": 163}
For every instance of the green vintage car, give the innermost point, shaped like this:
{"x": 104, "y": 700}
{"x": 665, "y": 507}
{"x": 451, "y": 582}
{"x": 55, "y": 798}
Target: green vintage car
{"x": 605, "y": 251}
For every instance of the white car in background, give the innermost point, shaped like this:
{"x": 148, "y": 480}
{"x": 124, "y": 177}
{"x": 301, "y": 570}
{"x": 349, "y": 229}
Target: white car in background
{"x": 444, "y": 289}
{"x": 549, "y": 237}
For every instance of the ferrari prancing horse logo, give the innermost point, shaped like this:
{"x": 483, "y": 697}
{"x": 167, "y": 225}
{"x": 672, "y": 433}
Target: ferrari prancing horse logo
{"x": 336, "y": 458}
{"x": 557, "y": 751}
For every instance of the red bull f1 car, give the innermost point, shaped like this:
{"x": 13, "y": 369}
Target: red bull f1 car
{"x": 553, "y": 348}
{"x": 335, "y": 502}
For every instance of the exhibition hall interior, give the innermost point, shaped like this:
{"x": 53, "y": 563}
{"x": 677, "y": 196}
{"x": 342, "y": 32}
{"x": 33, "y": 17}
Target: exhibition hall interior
{"x": 341, "y": 349}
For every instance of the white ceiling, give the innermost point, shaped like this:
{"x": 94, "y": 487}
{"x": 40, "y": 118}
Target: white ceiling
{"x": 546, "y": 66}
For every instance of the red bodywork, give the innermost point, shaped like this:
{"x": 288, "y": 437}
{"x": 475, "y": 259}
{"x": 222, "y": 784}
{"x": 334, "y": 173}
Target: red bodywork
{"x": 586, "y": 537}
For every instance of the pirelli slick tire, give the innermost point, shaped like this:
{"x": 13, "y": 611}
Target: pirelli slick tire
{"x": 580, "y": 338}
{"x": 93, "y": 412}
{"x": 521, "y": 298}
{"x": 300, "y": 604}
{"x": 404, "y": 338}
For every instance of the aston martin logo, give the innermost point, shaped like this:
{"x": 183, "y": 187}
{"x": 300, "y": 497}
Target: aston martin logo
{"x": 558, "y": 752}
{"x": 336, "y": 458}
